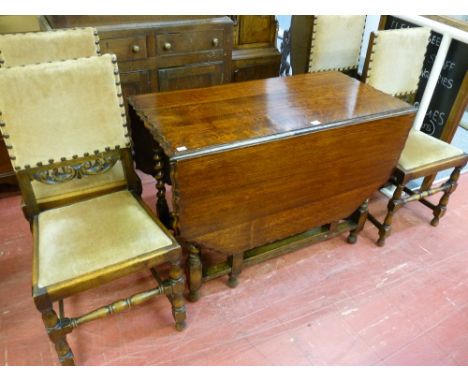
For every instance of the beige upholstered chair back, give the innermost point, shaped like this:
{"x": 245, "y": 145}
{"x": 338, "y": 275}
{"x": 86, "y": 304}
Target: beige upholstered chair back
{"x": 336, "y": 42}
{"x": 36, "y": 47}
{"x": 395, "y": 60}
{"x": 59, "y": 111}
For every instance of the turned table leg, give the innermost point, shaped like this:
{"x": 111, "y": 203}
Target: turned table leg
{"x": 359, "y": 217}
{"x": 236, "y": 268}
{"x": 195, "y": 273}
{"x": 162, "y": 208}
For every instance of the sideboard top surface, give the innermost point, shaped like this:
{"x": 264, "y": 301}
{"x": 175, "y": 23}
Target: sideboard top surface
{"x": 199, "y": 121}
{"x": 72, "y": 21}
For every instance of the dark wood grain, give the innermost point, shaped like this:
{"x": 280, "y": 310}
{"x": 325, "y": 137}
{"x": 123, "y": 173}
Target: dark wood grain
{"x": 255, "y": 64}
{"x": 254, "y": 55}
{"x": 244, "y": 198}
{"x": 254, "y": 31}
{"x": 222, "y": 115}
{"x": 71, "y": 21}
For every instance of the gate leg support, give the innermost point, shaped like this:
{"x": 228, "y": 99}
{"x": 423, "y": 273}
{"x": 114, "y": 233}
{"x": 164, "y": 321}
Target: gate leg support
{"x": 195, "y": 273}
{"x": 236, "y": 268}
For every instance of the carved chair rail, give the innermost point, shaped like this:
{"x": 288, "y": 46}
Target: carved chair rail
{"x": 55, "y": 173}
{"x": 64, "y": 172}
{"x": 78, "y": 167}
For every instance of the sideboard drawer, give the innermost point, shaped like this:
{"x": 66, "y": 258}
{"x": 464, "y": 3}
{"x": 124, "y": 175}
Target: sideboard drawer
{"x": 126, "y": 48}
{"x": 190, "y": 41}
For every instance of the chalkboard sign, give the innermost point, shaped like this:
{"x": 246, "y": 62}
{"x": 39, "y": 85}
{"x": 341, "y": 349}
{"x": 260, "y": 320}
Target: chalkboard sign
{"x": 450, "y": 79}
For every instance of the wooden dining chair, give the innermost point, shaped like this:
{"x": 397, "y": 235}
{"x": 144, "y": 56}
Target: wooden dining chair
{"x": 36, "y": 47}
{"x": 336, "y": 43}
{"x": 393, "y": 65}
{"x": 65, "y": 122}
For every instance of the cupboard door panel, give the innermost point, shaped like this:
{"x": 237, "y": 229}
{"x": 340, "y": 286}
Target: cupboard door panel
{"x": 137, "y": 82}
{"x": 191, "y": 76}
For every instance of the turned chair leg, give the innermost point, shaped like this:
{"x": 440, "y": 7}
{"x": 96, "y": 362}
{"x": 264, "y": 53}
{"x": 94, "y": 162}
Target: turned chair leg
{"x": 393, "y": 206}
{"x": 195, "y": 273}
{"x": 441, "y": 208}
{"x": 177, "y": 280}
{"x": 57, "y": 331}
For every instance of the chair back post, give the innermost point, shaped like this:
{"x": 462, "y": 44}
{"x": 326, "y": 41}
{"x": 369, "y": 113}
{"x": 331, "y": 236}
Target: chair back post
{"x": 133, "y": 181}
{"x": 382, "y": 22}
{"x": 300, "y": 33}
{"x": 367, "y": 61}
{"x": 29, "y": 205}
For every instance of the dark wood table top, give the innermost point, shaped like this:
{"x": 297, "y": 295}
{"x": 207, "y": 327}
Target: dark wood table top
{"x": 197, "y": 121}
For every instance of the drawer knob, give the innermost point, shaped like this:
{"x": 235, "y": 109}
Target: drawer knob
{"x": 167, "y": 46}
{"x": 135, "y": 48}
{"x": 215, "y": 42}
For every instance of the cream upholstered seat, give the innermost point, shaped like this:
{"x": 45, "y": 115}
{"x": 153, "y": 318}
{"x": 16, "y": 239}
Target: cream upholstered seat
{"x": 36, "y": 47}
{"x": 336, "y": 42}
{"x": 421, "y": 150}
{"x": 106, "y": 230}
{"x": 65, "y": 128}
{"x": 393, "y": 65}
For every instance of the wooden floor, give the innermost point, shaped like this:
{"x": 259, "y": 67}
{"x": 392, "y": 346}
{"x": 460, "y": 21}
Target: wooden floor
{"x": 329, "y": 304}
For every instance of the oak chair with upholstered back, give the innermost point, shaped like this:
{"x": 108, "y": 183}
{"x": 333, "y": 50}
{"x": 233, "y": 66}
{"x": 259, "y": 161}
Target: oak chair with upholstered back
{"x": 336, "y": 43}
{"x": 64, "y": 122}
{"x": 61, "y": 44}
{"x": 393, "y": 65}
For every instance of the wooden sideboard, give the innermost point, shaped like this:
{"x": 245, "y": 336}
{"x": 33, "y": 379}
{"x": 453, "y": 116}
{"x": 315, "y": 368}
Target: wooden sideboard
{"x": 254, "y": 54}
{"x": 256, "y": 162}
{"x": 160, "y": 53}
